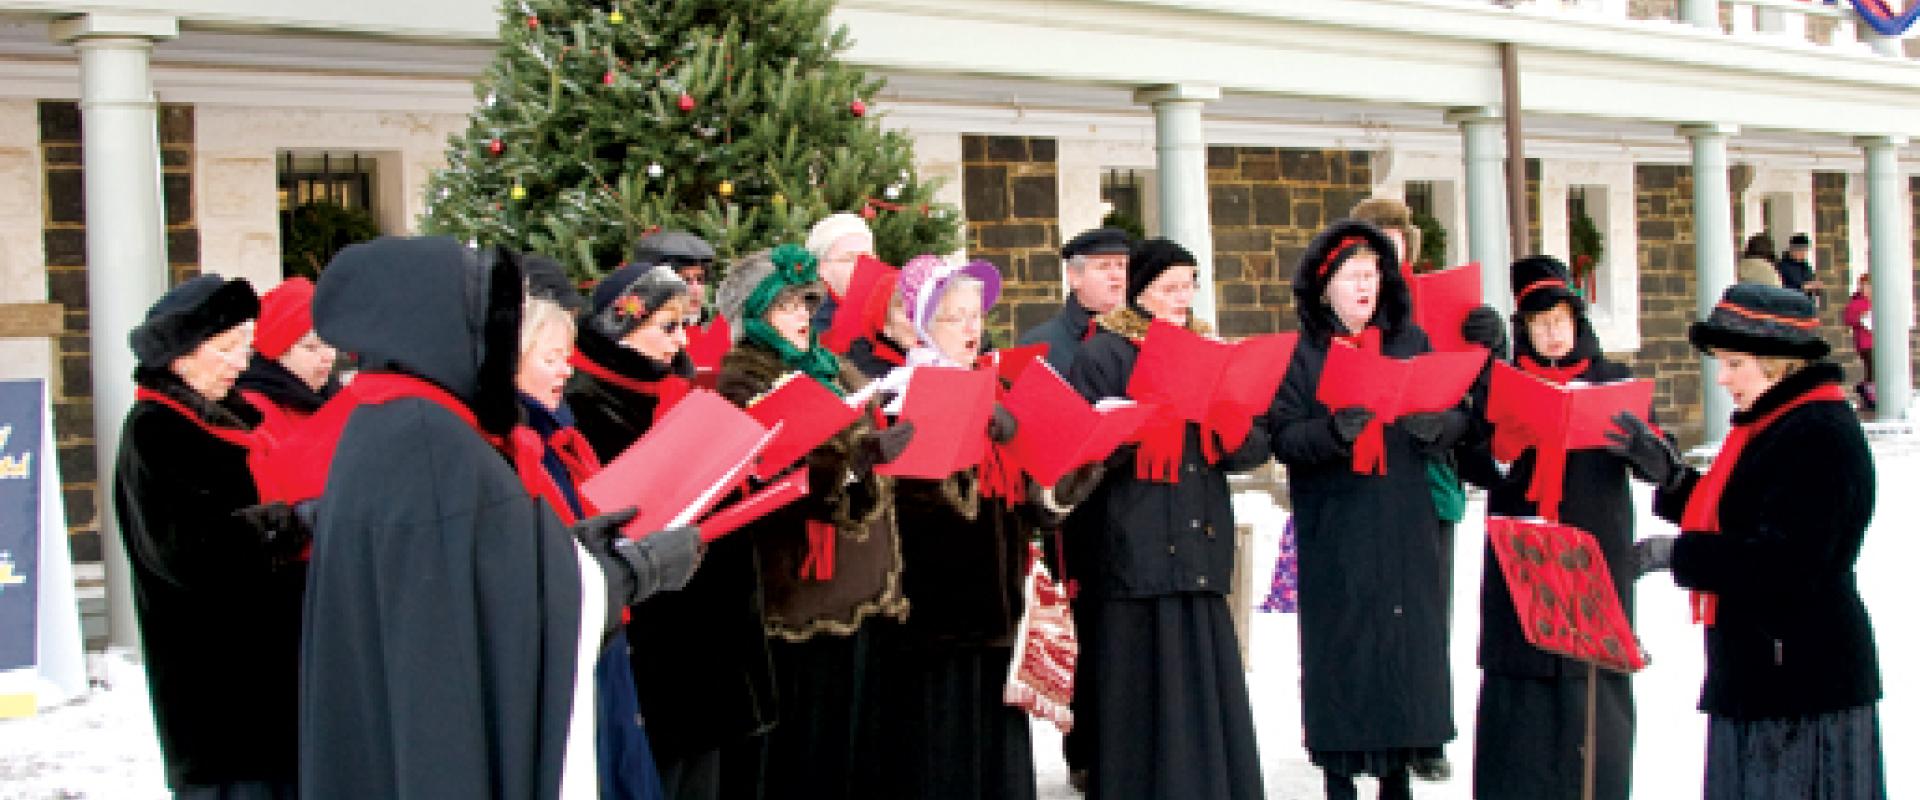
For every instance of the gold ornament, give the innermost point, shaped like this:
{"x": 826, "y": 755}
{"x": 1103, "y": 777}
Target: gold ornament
{"x": 779, "y": 199}
{"x": 615, "y": 17}
{"x": 518, "y": 192}
{"x": 725, "y": 188}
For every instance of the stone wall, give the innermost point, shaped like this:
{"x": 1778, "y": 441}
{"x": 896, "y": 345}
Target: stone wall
{"x": 1832, "y": 262}
{"x": 65, "y": 234}
{"x": 1267, "y": 203}
{"x": 1664, "y": 221}
{"x": 1011, "y": 198}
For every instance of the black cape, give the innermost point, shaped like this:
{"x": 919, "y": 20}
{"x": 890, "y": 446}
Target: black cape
{"x": 443, "y": 614}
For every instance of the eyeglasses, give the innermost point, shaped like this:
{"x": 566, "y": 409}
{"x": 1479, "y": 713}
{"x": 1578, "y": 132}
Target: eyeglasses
{"x": 958, "y": 319}
{"x": 671, "y": 328}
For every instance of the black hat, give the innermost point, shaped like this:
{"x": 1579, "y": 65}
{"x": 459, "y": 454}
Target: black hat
{"x": 671, "y": 247}
{"x": 1098, "y": 242}
{"x": 1761, "y": 320}
{"x": 1540, "y": 283}
{"x": 1146, "y": 262}
{"x": 1799, "y": 240}
{"x": 1329, "y": 250}
{"x": 625, "y": 299}
{"x": 190, "y": 313}
{"x": 547, "y": 278}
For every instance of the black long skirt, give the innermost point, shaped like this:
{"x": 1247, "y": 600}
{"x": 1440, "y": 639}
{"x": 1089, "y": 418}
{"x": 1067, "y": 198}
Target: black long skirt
{"x": 936, "y": 726}
{"x": 1530, "y": 736}
{"x": 1833, "y": 756}
{"x": 1170, "y": 713}
{"x": 819, "y": 686}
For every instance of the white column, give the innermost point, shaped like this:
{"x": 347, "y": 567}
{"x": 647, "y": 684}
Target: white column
{"x": 1883, "y": 45}
{"x": 126, "y": 245}
{"x": 1180, "y": 152}
{"x": 1701, "y": 13}
{"x": 1483, "y": 150}
{"x": 1889, "y": 258}
{"x": 1713, "y": 260}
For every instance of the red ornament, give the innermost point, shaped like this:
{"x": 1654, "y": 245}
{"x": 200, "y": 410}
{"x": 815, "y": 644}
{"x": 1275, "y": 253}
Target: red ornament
{"x": 866, "y": 212}
{"x": 533, "y": 21}
{"x": 686, "y": 102}
{"x": 858, "y": 108}
{"x": 607, "y": 78}
{"x": 495, "y": 147}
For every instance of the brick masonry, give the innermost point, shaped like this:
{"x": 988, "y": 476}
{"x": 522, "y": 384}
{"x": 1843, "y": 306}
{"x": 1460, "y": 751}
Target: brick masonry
{"x": 1664, "y": 211}
{"x": 1267, "y": 203}
{"x": 66, "y": 248}
{"x": 1011, "y": 197}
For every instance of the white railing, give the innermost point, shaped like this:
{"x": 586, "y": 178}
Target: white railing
{"x": 1806, "y": 22}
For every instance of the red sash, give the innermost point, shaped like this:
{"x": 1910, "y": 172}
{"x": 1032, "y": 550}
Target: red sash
{"x": 668, "y": 390}
{"x": 256, "y": 442}
{"x": 1703, "y": 507}
{"x": 1550, "y": 458}
{"x": 1370, "y": 447}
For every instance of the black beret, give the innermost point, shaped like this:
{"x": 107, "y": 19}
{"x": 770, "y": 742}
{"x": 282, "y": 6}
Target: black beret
{"x": 1097, "y": 242}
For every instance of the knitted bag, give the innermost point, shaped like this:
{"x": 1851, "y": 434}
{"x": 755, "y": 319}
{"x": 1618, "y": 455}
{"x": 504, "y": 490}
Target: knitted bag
{"x": 1045, "y": 648}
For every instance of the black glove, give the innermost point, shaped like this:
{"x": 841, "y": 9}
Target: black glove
{"x": 1648, "y": 454}
{"x": 1434, "y": 430}
{"x": 1483, "y": 327}
{"x": 1348, "y": 422}
{"x": 637, "y": 569}
{"x": 883, "y": 446}
{"x": 1075, "y": 487}
{"x": 284, "y": 534}
{"x": 1001, "y": 426}
{"x": 1652, "y": 554}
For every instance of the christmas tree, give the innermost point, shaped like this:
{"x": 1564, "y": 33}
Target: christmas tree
{"x": 602, "y": 120}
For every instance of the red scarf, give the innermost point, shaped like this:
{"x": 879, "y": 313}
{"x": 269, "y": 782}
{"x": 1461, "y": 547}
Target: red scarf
{"x": 667, "y": 390}
{"x": 1370, "y": 447}
{"x": 256, "y": 442}
{"x": 1549, "y": 458}
{"x": 1703, "y": 507}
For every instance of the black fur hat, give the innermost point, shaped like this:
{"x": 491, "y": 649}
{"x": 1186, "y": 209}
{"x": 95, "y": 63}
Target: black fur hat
{"x": 1761, "y": 320}
{"x": 1321, "y": 261}
{"x": 1541, "y": 282}
{"x": 190, "y": 313}
{"x": 1148, "y": 260}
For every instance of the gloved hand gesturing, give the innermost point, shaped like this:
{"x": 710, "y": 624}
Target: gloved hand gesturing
{"x": 883, "y": 446}
{"x": 1483, "y": 327}
{"x": 1434, "y": 430}
{"x": 1347, "y": 423}
{"x": 1001, "y": 426}
{"x": 1647, "y": 453}
{"x": 637, "y": 569}
{"x": 1076, "y": 486}
{"x": 284, "y": 533}
{"x": 1652, "y": 554}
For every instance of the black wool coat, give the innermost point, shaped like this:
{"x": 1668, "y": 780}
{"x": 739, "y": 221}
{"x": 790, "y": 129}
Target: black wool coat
{"x": 219, "y": 621}
{"x": 444, "y": 611}
{"x": 1062, "y": 333}
{"x": 1792, "y": 636}
{"x": 1137, "y": 539}
{"x": 700, "y": 655}
{"x": 965, "y": 557}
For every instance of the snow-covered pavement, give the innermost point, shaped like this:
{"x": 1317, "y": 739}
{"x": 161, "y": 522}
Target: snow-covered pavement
{"x": 103, "y": 746}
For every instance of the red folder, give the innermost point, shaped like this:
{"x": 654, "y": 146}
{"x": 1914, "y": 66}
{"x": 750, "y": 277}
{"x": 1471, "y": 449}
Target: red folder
{"x": 849, "y": 317}
{"x": 1441, "y": 301}
{"x": 1564, "y": 593}
{"x": 771, "y": 498}
{"x": 807, "y": 415}
{"x": 1013, "y": 362}
{"x": 1391, "y": 387}
{"x": 1059, "y": 430}
{"x": 708, "y": 344}
{"x": 948, "y": 408}
{"x": 1190, "y": 374}
{"x": 1529, "y": 412}
{"x": 701, "y": 449}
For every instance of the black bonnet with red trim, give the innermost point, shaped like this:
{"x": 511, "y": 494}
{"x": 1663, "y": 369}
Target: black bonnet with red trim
{"x": 1761, "y": 320}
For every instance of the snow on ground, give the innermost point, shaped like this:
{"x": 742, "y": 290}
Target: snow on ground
{"x": 104, "y": 747}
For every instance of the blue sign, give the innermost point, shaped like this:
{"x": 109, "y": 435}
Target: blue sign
{"x": 20, "y": 446}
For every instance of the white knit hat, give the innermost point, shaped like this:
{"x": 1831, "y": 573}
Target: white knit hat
{"x": 834, "y": 228}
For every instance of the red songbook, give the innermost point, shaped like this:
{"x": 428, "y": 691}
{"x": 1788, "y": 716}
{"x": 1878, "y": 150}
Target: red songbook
{"x": 771, "y": 498}
{"x": 1193, "y": 375}
{"x": 948, "y": 408}
{"x": 1013, "y": 362}
{"x": 849, "y": 317}
{"x": 1392, "y": 387}
{"x": 1564, "y": 593}
{"x": 807, "y": 414}
{"x": 1554, "y": 419}
{"x": 1059, "y": 431}
{"x": 701, "y": 449}
{"x": 708, "y": 344}
{"x": 1441, "y": 301}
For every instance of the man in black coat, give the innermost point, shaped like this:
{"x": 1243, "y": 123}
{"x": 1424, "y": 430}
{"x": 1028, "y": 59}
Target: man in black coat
{"x": 1096, "y": 266}
{"x": 452, "y": 621}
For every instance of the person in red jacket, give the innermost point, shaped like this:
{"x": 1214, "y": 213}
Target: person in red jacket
{"x": 291, "y": 372}
{"x": 1859, "y": 318}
